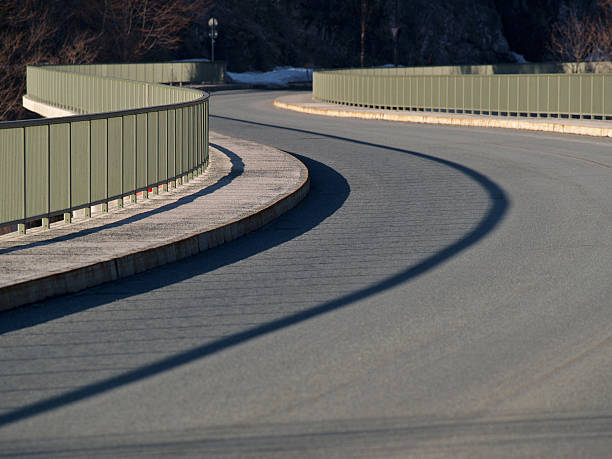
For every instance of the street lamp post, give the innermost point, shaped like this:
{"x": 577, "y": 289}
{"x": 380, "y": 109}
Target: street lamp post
{"x": 213, "y": 34}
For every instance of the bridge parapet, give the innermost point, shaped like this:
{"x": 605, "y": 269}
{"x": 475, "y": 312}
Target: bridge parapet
{"x": 129, "y": 136}
{"x": 473, "y": 90}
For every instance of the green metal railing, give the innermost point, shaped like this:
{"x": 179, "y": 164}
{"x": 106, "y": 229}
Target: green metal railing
{"x": 158, "y": 72}
{"x": 535, "y": 68}
{"x": 581, "y": 95}
{"x": 131, "y": 136}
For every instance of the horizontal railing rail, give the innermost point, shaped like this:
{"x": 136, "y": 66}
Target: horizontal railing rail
{"x": 580, "y": 95}
{"x": 531, "y": 68}
{"x": 194, "y": 71}
{"x": 129, "y": 137}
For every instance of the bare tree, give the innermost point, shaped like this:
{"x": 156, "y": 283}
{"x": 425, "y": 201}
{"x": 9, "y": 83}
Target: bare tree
{"x": 32, "y": 30}
{"x": 364, "y": 20}
{"x": 573, "y": 38}
{"x": 366, "y": 12}
{"x": 582, "y": 37}
{"x": 43, "y": 31}
{"x": 134, "y": 28}
{"x": 603, "y": 41}
{"x": 29, "y": 29}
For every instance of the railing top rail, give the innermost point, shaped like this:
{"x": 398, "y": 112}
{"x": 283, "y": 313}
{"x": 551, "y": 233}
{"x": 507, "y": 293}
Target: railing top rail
{"x": 348, "y": 72}
{"x": 199, "y": 96}
{"x": 94, "y": 116}
{"x": 75, "y": 68}
{"x": 539, "y": 68}
{"x": 94, "y": 64}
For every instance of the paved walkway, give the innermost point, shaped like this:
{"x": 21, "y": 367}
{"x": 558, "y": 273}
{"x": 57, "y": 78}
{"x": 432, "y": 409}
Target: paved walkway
{"x": 245, "y": 186}
{"x": 306, "y": 104}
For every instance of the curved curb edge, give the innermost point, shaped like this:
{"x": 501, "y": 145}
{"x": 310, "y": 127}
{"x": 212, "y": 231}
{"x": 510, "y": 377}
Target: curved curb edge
{"x": 83, "y": 277}
{"x": 472, "y": 122}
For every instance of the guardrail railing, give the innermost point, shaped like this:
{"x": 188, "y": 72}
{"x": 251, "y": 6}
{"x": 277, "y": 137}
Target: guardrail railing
{"x": 531, "y": 68}
{"x": 131, "y": 136}
{"x": 579, "y": 95}
{"x": 193, "y": 71}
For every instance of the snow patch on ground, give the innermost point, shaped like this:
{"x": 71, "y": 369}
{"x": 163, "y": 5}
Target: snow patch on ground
{"x": 519, "y": 58}
{"x": 279, "y": 77}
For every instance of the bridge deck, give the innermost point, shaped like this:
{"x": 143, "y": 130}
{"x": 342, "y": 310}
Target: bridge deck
{"x": 244, "y": 187}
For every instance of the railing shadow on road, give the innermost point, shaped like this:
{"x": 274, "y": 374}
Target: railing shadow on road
{"x": 236, "y": 170}
{"x": 313, "y": 210}
{"x": 321, "y": 202}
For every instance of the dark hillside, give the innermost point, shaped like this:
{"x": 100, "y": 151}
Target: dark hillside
{"x": 260, "y": 34}
{"x": 263, "y": 34}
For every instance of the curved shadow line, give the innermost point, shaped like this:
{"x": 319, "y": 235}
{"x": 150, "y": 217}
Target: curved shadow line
{"x": 236, "y": 170}
{"x": 321, "y": 202}
{"x": 493, "y": 217}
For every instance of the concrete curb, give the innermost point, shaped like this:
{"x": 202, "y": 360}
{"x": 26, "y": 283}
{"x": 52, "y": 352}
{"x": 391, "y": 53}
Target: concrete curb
{"x": 510, "y": 123}
{"x": 112, "y": 269}
{"x": 46, "y": 110}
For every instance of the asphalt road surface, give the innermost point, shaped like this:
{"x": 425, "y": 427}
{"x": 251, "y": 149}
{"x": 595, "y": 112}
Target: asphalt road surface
{"x": 442, "y": 292}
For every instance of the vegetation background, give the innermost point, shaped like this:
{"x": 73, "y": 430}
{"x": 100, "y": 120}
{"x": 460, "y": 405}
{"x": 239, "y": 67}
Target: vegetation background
{"x": 263, "y": 34}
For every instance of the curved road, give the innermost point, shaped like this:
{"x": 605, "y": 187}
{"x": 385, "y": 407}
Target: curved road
{"x": 441, "y": 292}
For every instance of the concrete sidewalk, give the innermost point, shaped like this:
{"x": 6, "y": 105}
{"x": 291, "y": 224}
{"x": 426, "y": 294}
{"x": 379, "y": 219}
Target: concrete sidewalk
{"x": 245, "y": 186}
{"x": 304, "y": 103}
